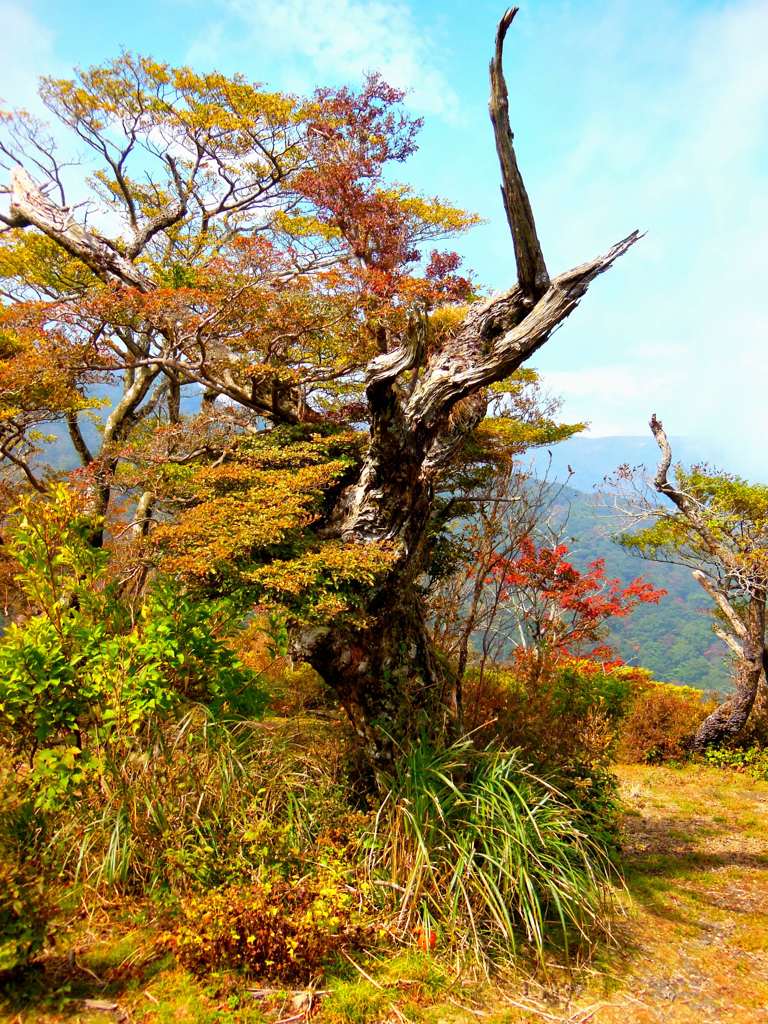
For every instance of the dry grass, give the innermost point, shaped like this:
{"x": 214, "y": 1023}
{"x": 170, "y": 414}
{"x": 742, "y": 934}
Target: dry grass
{"x": 693, "y": 947}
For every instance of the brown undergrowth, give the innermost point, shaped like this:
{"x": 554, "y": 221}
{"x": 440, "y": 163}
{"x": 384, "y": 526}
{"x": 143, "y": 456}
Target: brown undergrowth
{"x": 693, "y": 946}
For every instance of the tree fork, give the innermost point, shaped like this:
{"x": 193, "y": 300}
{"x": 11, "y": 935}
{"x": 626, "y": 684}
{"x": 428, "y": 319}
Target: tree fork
{"x": 386, "y": 675}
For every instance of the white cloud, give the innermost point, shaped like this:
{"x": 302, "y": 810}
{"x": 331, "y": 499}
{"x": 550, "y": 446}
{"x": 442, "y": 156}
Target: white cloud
{"x": 336, "y": 40}
{"x": 615, "y": 399}
{"x": 681, "y": 326}
{"x": 25, "y": 53}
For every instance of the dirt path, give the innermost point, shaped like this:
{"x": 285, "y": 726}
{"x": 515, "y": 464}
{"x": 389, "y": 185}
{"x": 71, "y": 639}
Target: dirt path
{"x": 695, "y": 946}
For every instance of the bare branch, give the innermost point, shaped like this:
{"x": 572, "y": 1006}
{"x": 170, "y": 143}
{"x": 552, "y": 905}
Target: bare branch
{"x": 165, "y": 219}
{"x": 722, "y": 602}
{"x": 78, "y": 441}
{"x": 686, "y": 504}
{"x": 497, "y": 337}
{"x": 531, "y": 269}
{"x": 661, "y": 481}
{"x": 29, "y": 206}
{"x": 729, "y": 640}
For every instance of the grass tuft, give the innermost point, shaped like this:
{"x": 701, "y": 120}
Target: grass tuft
{"x": 484, "y": 854}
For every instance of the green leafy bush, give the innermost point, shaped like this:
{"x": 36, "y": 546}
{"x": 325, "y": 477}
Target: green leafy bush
{"x": 562, "y": 713}
{"x": 25, "y": 907}
{"x": 87, "y": 675}
{"x": 751, "y": 761}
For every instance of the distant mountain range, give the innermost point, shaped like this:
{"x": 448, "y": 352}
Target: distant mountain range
{"x": 594, "y": 458}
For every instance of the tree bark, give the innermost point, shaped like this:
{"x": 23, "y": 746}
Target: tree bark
{"x": 728, "y": 720}
{"x": 393, "y": 687}
{"x": 386, "y": 675}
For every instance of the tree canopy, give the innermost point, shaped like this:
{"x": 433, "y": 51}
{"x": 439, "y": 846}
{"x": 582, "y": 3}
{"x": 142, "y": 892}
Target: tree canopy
{"x": 301, "y": 385}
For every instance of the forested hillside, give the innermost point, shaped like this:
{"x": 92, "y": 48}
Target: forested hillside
{"x": 674, "y": 638}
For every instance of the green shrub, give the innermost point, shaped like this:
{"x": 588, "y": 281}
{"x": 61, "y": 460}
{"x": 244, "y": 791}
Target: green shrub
{"x": 564, "y": 713}
{"x": 752, "y": 761}
{"x": 87, "y": 679}
{"x": 25, "y": 908}
{"x": 486, "y": 853}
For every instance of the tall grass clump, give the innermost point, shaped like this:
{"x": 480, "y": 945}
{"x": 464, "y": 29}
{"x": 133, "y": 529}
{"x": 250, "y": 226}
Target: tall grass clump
{"x": 487, "y": 856}
{"x": 201, "y": 802}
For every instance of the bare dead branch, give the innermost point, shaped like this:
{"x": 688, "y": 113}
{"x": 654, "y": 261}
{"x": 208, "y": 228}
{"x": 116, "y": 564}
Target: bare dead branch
{"x": 497, "y": 337}
{"x": 729, "y": 640}
{"x": 661, "y": 481}
{"x": 722, "y": 602}
{"x": 531, "y": 270}
{"x": 30, "y": 207}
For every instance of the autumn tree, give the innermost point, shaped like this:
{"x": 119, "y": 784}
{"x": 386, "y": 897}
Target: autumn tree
{"x": 468, "y": 601}
{"x": 716, "y": 524}
{"x": 514, "y": 598}
{"x": 562, "y": 610}
{"x": 298, "y": 372}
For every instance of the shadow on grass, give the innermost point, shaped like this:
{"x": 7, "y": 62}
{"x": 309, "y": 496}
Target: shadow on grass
{"x": 664, "y": 852}
{"x": 61, "y": 985}
{"x": 676, "y": 870}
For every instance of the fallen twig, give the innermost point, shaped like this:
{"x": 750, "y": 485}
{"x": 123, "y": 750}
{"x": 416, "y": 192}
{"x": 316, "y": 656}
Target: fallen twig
{"x": 365, "y": 974}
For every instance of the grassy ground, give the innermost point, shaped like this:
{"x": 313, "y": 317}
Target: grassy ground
{"x": 693, "y": 946}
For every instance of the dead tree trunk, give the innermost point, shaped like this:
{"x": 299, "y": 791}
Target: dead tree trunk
{"x": 745, "y": 632}
{"x": 386, "y": 676}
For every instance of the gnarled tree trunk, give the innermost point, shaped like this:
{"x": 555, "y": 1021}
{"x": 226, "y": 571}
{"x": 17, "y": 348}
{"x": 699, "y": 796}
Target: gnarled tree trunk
{"x": 728, "y": 720}
{"x": 386, "y": 676}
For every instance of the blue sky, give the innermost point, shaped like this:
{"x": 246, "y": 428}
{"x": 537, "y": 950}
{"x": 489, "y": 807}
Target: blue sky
{"x": 626, "y": 115}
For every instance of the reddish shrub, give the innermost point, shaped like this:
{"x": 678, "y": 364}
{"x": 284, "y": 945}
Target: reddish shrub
{"x": 662, "y": 722}
{"x": 286, "y": 929}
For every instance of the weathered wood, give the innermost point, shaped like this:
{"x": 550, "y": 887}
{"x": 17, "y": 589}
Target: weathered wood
{"x": 30, "y": 207}
{"x": 531, "y": 270}
{"x": 409, "y": 430}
